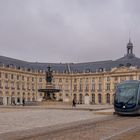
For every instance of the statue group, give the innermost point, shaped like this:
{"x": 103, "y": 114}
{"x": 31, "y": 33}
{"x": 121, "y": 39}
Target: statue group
{"x": 49, "y": 76}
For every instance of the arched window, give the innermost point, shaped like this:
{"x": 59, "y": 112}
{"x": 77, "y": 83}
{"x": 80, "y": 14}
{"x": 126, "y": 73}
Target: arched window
{"x": 99, "y": 98}
{"x": 108, "y": 98}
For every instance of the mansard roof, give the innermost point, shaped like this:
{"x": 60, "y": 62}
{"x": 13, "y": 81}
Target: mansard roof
{"x": 128, "y": 60}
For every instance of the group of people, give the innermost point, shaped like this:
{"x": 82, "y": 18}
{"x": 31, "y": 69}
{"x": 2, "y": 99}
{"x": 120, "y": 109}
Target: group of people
{"x": 18, "y": 102}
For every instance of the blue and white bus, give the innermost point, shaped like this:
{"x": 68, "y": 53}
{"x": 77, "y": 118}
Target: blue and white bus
{"x": 127, "y": 98}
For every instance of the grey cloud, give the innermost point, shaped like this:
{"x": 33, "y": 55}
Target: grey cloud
{"x": 68, "y": 30}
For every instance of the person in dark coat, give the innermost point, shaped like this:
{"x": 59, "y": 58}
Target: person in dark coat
{"x": 73, "y": 103}
{"x": 23, "y": 102}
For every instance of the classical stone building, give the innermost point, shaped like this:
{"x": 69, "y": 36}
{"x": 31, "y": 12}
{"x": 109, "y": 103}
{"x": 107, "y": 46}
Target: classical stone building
{"x": 92, "y": 82}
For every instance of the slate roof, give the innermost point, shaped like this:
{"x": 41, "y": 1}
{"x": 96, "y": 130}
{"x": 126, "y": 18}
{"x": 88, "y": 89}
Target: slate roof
{"x": 127, "y": 60}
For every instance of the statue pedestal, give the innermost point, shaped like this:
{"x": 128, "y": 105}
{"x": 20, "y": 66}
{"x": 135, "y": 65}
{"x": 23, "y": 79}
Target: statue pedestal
{"x": 50, "y": 88}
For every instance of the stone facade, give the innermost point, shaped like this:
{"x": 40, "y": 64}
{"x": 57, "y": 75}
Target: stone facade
{"x": 95, "y": 88}
{"x": 87, "y": 87}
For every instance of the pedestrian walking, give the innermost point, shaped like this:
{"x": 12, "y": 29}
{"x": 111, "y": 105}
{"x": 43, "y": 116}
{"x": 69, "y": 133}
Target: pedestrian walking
{"x": 23, "y": 102}
{"x": 73, "y": 103}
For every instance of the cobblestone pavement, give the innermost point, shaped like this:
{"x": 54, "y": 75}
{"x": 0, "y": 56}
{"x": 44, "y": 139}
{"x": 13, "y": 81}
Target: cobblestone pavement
{"x": 42, "y": 123}
{"x": 113, "y": 128}
{"x": 16, "y": 119}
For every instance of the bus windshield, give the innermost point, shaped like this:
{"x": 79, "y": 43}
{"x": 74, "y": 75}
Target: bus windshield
{"x": 126, "y": 93}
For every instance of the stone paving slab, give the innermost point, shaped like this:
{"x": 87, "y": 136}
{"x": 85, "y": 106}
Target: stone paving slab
{"x": 40, "y": 131}
{"x": 24, "y": 119}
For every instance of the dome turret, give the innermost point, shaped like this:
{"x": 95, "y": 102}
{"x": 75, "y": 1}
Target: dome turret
{"x": 129, "y": 47}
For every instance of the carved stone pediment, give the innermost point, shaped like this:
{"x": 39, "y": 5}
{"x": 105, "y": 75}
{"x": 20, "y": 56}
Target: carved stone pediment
{"x": 123, "y": 69}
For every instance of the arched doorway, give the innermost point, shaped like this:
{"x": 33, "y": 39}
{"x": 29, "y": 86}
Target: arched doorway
{"x": 13, "y": 100}
{"x": 18, "y": 100}
{"x": 99, "y": 98}
{"x": 33, "y": 99}
{"x": 87, "y": 100}
{"x": 28, "y": 99}
{"x": 1, "y": 100}
{"x": 108, "y": 98}
{"x": 80, "y": 98}
{"x": 93, "y": 98}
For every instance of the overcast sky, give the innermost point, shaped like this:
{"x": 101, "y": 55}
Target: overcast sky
{"x": 68, "y": 30}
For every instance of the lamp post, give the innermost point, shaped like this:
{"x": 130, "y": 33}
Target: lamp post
{"x": 71, "y": 88}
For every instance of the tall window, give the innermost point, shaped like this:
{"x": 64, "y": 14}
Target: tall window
{"x": 66, "y": 80}
{"x": 108, "y": 79}
{"x": 93, "y": 80}
{"x": 75, "y": 87}
{"x": 12, "y": 76}
{"x": 32, "y": 79}
{"x": 75, "y": 80}
{"x": 86, "y": 87}
{"x": 66, "y": 87}
{"x": 0, "y": 84}
{"x": 100, "y": 79}
{"x": 100, "y": 87}
{"x": 12, "y": 85}
{"x": 23, "y": 86}
{"x": 116, "y": 79}
{"x": 6, "y": 85}
{"x": 22, "y": 77}
{"x": 40, "y": 79}
{"x": 28, "y": 79}
{"x": 131, "y": 77}
{"x": 115, "y": 85}
{"x": 80, "y": 98}
{"x": 18, "y": 86}
{"x": 81, "y": 80}
{"x": 6, "y": 75}
{"x": 17, "y": 77}
{"x": 60, "y": 80}
{"x": 33, "y": 87}
{"x": 80, "y": 87}
{"x": 108, "y": 87}
{"x": 93, "y": 87}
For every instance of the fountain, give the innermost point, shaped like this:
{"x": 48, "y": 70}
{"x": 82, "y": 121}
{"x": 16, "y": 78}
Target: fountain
{"x": 50, "y": 88}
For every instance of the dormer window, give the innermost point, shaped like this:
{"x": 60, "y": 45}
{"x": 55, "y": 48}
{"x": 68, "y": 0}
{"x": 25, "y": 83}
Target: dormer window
{"x": 121, "y": 65}
{"x": 128, "y": 64}
{"x": 101, "y": 69}
{"x": 87, "y": 70}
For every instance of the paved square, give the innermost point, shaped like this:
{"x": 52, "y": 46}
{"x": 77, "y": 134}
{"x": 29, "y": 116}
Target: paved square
{"x": 23, "y": 119}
